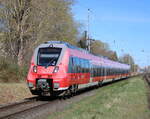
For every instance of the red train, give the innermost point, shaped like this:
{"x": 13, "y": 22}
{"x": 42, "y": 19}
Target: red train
{"x": 58, "y": 68}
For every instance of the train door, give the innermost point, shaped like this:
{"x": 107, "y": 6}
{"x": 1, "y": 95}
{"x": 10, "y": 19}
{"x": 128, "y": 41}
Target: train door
{"x": 71, "y": 69}
{"x": 91, "y": 67}
{"x": 105, "y": 73}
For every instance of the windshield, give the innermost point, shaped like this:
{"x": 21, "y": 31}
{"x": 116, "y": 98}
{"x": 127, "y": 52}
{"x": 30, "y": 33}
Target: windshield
{"x": 48, "y": 56}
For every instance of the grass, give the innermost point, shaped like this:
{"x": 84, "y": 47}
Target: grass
{"x": 12, "y": 85}
{"x": 11, "y": 72}
{"x": 122, "y": 100}
{"x": 11, "y": 92}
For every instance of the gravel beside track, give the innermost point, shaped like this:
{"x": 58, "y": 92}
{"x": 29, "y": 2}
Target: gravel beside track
{"x": 147, "y": 79}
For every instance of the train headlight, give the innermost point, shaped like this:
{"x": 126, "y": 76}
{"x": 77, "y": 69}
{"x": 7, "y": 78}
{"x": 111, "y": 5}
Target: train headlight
{"x": 56, "y": 69}
{"x": 30, "y": 85}
{"x": 35, "y": 69}
{"x": 56, "y": 85}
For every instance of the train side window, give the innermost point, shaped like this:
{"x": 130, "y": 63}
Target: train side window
{"x": 113, "y": 71}
{"x": 107, "y": 71}
{"x": 70, "y": 65}
{"x": 78, "y": 64}
{"x": 99, "y": 71}
{"x": 117, "y": 71}
{"x": 96, "y": 70}
{"x": 84, "y": 66}
{"x": 110, "y": 70}
{"x": 87, "y": 66}
{"x": 75, "y": 65}
{"x": 102, "y": 71}
{"x": 92, "y": 70}
{"x": 95, "y": 73}
{"x": 81, "y": 65}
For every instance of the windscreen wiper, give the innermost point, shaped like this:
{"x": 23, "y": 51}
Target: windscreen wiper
{"x": 50, "y": 62}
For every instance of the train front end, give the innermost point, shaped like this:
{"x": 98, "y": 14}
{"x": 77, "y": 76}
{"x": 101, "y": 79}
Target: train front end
{"x": 47, "y": 73}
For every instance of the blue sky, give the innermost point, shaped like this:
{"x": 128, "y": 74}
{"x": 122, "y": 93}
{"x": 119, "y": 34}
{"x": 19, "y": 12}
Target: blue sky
{"x": 127, "y": 22}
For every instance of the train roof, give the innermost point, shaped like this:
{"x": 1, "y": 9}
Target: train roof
{"x": 73, "y": 47}
{"x": 67, "y": 44}
{"x": 107, "y": 60}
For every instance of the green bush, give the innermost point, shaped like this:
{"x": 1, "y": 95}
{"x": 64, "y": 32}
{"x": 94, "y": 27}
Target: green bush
{"x": 11, "y": 72}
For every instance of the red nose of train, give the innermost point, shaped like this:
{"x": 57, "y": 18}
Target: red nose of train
{"x": 45, "y": 72}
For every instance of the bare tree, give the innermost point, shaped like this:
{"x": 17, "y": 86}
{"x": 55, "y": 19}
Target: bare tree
{"x": 30, "y": 22}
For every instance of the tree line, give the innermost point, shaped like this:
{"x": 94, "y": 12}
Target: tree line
{"x": 24, "y": 24}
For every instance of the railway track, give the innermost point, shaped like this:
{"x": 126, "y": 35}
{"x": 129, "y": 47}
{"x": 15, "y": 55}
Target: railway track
{"x": 22, "y": 111}
{"x": 13, "y": 109}
{"x": 9, "y": 105}
{"x": 37, "y": 104}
